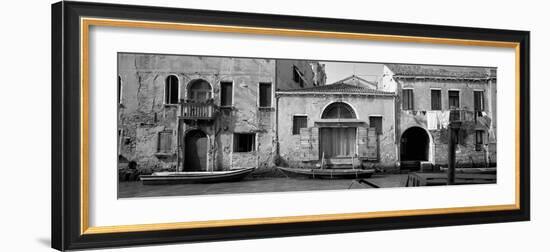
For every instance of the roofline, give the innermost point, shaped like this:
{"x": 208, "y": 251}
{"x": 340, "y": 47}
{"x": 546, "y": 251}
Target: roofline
{"x": 389, "y": 94}
{"x": 351, "y": 76}
{"x": 442, "y": 77}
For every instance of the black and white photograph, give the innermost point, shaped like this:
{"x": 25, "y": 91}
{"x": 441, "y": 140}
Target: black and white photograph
{"x": 201, "y": 125}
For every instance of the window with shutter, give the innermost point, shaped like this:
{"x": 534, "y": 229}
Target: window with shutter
{"x": 436, "y": 99}
{"x": 478, "y": 101}
{"x": 408, "y": 99}
{"x": 265, "y": 95}
{"x": 226, "y": 96}
{"x": 165, "y": 141}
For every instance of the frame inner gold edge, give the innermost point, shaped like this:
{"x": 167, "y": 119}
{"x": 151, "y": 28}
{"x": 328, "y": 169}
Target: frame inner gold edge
{"x": 85, "y": 24}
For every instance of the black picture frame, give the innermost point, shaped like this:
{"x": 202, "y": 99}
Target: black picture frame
{"x": 66, "y": 126}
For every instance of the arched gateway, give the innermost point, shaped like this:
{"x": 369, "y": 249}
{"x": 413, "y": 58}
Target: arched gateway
{"x": 415, "y": 145}
{"x": 340, "y": 141}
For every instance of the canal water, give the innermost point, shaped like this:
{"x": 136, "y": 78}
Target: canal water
{"x": 253, "y": 185}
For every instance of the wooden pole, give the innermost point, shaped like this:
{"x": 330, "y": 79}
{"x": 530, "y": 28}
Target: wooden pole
{"x": 453, "y": 132}
{"x": 451, "y": 157}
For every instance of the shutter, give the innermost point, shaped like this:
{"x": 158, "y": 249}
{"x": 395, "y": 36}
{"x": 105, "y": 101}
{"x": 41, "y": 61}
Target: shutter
{"x": 485, "y": 137}
{"x": 372, "y": 144}
{"x": 309, "y": 144}
{"x": 314, "y": 141}
{"x": 304, "y": 143}
{"x": 362, "y": 139}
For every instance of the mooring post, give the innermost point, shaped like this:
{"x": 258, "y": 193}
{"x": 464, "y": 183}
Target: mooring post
{"x": 453, "y": 130}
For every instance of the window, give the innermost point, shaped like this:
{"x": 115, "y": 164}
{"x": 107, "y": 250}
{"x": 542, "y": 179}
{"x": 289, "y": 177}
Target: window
{"x": 338, "y": 110}
{"x": 165, "y": 141}
{"x": 436, "y": 99}
{"x": 454, "y": 99}
{"x": 479, "y": 140}
{"x": 119, "y": 90}
{"x": 298, "y": 122}
{"x": 376, "y": 122}
{"x": 297, "y": 76}
{"x": 478, "y": 101}
{"x": 243, "y": 142}
{"x": 226, "y": 98}
{"x": 199, "y": 91}
{"x": 265, "y": 95}
{"x": 408, "y": 99}
{"x": 171, "y": 90}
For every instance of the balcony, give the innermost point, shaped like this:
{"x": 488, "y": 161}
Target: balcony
{"x": 460, "y": 115}
{"x": 198, "y": 111}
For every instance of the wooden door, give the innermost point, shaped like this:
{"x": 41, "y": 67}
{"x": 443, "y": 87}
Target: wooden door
{"x": 195, "y": 151}
{"x": 338, "y": 142}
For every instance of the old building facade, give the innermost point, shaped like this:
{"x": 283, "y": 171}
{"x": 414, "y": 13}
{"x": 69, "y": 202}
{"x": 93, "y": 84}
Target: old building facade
{"x": 340, "y": 125}
{"x": 192, "y": 113}
{"x": 196, "y": 113}
{"x": 430, "y": 97}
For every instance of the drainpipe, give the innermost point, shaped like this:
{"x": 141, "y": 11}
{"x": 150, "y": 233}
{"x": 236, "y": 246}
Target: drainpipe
{"x": 277, "y": 126}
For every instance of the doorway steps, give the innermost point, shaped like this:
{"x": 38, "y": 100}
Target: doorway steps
{"x": 410, "y": 165}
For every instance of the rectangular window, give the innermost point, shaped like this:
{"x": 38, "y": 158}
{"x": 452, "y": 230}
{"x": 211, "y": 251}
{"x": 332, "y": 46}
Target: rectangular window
{"x": 265, "y": 95}
{"x": 226, "y": 96}
{"x": 376, "y": 122}
{"x": 479, "y": 140}
{"x": 244, "y": 142}
{"x": 478, "y": 101}
{"x": 436, "y": 99}
{"x": 119, "y": 90}
{"x": 408, "y": 99}
{"x": 165, "y": 141}
{"x": 298, "y": 122}
{"x": 454, "y": 99}
{"x": 297, "y": 76}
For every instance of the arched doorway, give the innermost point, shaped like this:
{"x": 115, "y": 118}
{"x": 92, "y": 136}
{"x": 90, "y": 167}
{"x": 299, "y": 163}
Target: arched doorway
{"x": 199, "y": 91}
{"x": 338, "y": 141}
{"x": 196, "y": 144}
{"x": 415, "y": 145}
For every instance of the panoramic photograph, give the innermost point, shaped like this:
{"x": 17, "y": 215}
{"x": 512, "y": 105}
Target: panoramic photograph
{"x": 203, "y": 125}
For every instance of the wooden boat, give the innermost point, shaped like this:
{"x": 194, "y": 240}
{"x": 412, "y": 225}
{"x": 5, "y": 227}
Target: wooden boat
{"x": 329, "y": 173}
{"x": 163, "y": 178}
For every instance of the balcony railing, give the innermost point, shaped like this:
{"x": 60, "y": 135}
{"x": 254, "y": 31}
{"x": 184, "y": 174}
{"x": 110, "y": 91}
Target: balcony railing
{"x": 198, "y": 111}
{"x": 460, "y": 115}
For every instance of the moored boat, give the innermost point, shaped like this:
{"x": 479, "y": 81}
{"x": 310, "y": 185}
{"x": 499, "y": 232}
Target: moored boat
{"x": 163, "y": 178}
{"x": 329, "y": 173}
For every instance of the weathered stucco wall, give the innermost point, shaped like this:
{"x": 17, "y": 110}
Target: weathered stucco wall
{"x": 466, "y": 155}
{"x": 313, "y": 105}
{"x": 143, "y": 112}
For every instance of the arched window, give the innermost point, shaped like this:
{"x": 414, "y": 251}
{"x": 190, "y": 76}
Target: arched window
{"x": 199, "y": 91}
{"x": 338, "y": 110}
{"x": 171, "y": 90}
